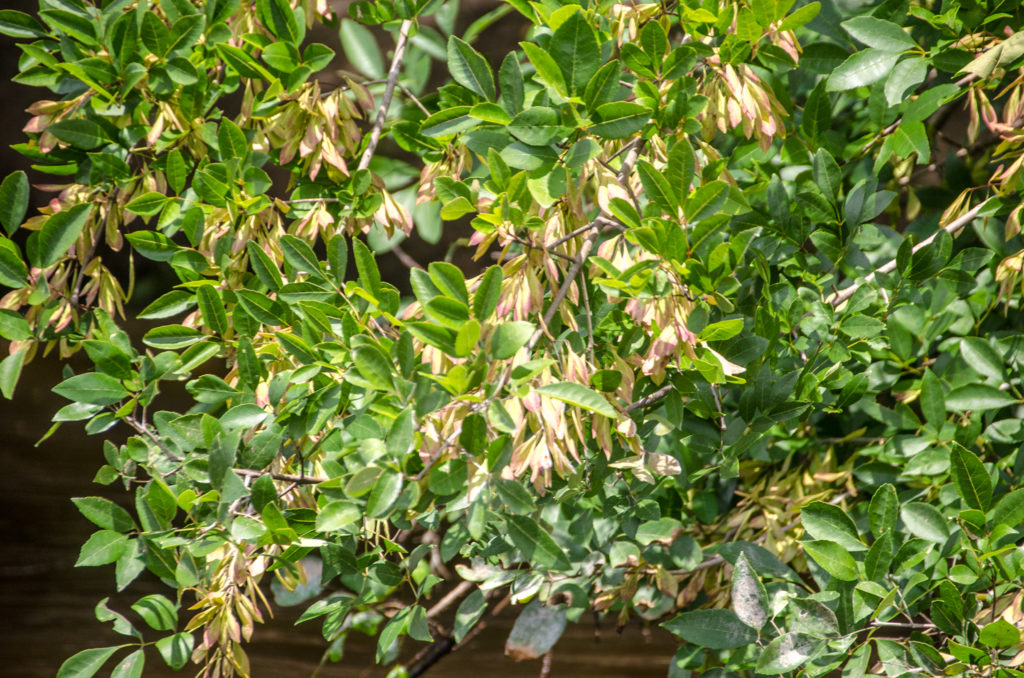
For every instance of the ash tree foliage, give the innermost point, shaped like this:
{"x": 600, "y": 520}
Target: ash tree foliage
{"x": 748, "y": 366}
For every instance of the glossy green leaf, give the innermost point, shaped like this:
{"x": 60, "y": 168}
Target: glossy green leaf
{"x": 574, "y": 48}
{"x": 470, "y": 69}
{"x": 827, "y": 521}
{"x": 93, "y": 388}
{"x": 535, "y": 543}
{"x": 977, "y": 398}
{"x": 925, "y": 521}
{"x": 102, "y": 548}
{"x": 13, "y": 271}
{"x": 1009, "y": 510}
{"x": 619, "y": 119}
{"x": 833, "y": 558}
{"x": 487, "y": 293}
{"x": 883, "y": 510}
{"x": 87, "y": 662}
{"x": 157, "y": 611}
{"x": 578, "y": 395}
{"x": 880, "y": 34}
{"x": 104, "y": 513}
{"x": 862, "y": 68}
{"x": 713, "y": 629}
{"x": 51, "y": 243}
{"x": 13, "y": 201}
{"x": 80, "y": 133}
{"x": 973, "y": 483}
{"x": 705, "y": 201}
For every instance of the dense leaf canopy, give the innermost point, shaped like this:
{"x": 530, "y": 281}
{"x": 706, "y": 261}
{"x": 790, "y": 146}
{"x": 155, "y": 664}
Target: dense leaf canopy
{"x": 741, "y": 356}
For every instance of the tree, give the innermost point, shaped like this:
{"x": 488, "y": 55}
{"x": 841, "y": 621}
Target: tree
{"x": 748, "y": 366}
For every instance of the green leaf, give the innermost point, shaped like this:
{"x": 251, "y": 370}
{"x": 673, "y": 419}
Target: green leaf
{"x": 509, "y": 337}
{"x": 374, "y": 366}
{"x": 933, "y": 401}
{"x": 20, "y": 25}
{"x": 827, "y": 174}
{"x": 279, "y": 19}
{"x": 713, "y": 629}
{"x": 826, "y": 521}
{"x": 1009, "y": 510}
{"x": 336, "y": 515}
{"x": 13, "y": 201}
{"x": 148, "y": 204}
{"x": 131, "y": 666}
{"x": 83, "y": 134}
{"x": 706, "y": 201}
{"x": 366, "y": 265}
{"x": 231, "y": 140}
{"x": 102, "y": 548}
{"x": 447, "y": 312}
{"x": 172, "y": 337}
{"x": 487, "y": 294}
{"x": 384, "y": 494}
{"x": 999, "y": 634}
{"x": 657, "y": 188}
{"x": 907, "y": 74}
{"x": 981, "y": 357}
{"x": 749, "y": 598}
{"x": 176, "y": 649}
{"x": 721, "y": 330}
{"x": 157, "y": 611}
{"x": 548, "y": 71}
{"x": 13, "y": 271}
{"x": 973, "y": 483}
{"x": 862, "y": 68}
{"x": 977, "y": 398}
{"x": 619, "y": 119}
{"x": 10, "y": 371}
{"x": 833, "y": 558}
{"x": 535, "y": 543}
{"x": 50, "y": 244}
{"x": 788, "y": 652}
{"x": 93, "y": 388}
{"x": 536, "y": 126}
{"x": 883, "y": 510}
{"x": 361, "y": 49}
{"x": 574, "y": 48}
{"x": 212, "y": 308}
{"x": 879, "y": 557}
{"x": 578, "y": 395}
{"x": 104, "y": 513}
{"x": 87, "y": 662}
{"x": 449, "y": 279}
{"x": 470, "y": 69}
{"x": 880, "y": 34}
{"x": 925, "y": 521}
{"x": 299, "y": 255}
{"x": 814, "y": 617}
{"x": 471, "y": 609}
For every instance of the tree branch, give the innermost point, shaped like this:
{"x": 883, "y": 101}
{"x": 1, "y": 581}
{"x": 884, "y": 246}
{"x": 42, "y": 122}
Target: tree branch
{"x": 389, "y": 91}
{"x": 953, "y": 227}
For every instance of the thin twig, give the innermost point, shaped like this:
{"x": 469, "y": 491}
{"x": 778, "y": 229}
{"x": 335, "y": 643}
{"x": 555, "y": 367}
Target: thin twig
{"x": 449, "y": 599}
{"x": 404, "y": 257}
{"x": 650, "y": 399}
{"x": 953, "y": 227}
{"x": 904, "y": 625}
{"x": 389, "y": 91}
